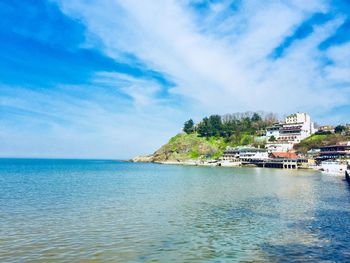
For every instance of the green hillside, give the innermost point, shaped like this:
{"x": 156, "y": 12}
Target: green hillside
{"x": 210, "y": 137}
{"x": 191, "y": 146}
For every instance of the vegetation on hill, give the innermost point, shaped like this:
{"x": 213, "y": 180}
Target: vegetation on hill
{"x": 234, "y": 129}
{"x": 210, "y": 137}
{"x": 190, "y": 146}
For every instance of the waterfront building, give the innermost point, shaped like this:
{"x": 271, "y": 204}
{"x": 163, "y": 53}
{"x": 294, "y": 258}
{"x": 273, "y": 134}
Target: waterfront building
{"x": 249, "y": 154}
{"x": 261, "y": 158}
{"x": 332, "y": 152}
{"x": 231, "y": 154}
{"x": 289, "y": 160}
{"x": 245, "y": 154}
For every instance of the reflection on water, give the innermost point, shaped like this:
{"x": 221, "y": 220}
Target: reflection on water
{"x": 64, "y": 211}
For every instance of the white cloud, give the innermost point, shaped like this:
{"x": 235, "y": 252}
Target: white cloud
{"x": 339, "y": 70}
{"x": 221, "y": 72}
{"x": 219, "y": 62}
{"x": 59, "y": 123}
{"x": 142, "y": 91}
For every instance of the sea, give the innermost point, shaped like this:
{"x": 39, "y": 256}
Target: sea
{"x": 54, "y": 210}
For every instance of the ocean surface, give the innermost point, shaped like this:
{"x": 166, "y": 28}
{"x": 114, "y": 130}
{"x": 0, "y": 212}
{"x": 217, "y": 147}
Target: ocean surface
{"x": 109, "y": 211}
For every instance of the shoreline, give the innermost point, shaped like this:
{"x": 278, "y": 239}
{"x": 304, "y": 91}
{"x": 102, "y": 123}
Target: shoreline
{"x": 203, "y": 164}
{"x": 214, "y": 164}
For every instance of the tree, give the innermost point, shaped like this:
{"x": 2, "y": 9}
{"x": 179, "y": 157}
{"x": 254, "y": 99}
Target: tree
{"x": 339, "y": 129}
{"x": 215, "y": 125}
{"x": 272, "y": 139}
{"x": 246, "y": 139}
{"x": 228, "y": 129}
{"x": 189, "y": 126}
{"x": 256, "y": 117}
{"x": 203, "y": 127}
{"x": 270, "y": 118}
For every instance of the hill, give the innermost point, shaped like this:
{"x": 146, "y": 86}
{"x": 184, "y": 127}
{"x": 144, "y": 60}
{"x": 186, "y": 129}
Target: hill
{"x": 210, "y": 137}
{"x": 186, "y": 147}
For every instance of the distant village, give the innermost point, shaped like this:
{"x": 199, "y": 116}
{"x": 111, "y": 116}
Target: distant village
{"x": 258, "y": 140}
{"x": 279, "y": 150}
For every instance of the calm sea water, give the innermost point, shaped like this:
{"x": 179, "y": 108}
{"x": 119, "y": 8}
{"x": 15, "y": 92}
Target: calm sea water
{"x": 98, "y": 211}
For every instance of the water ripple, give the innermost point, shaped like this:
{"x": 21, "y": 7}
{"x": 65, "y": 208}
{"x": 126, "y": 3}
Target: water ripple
{"x": 74, "y": 211}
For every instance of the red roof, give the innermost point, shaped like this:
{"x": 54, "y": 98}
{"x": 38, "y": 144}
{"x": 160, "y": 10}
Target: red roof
{"x": 288, "y": 155}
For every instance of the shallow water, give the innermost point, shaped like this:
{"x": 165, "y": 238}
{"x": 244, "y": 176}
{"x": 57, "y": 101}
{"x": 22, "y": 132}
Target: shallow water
{"x": 98, "y": 211}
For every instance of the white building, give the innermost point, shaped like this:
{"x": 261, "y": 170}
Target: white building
{"x": 231, "y": 154}
{"x": 295, "y": 128}
{"x": 250, "y": 154}
{"x": 244, "y": 154}
{"x": 274, "y": 130}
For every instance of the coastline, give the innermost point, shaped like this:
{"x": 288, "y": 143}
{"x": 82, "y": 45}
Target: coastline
{"x": 206, "y": 164}
{"x": 209, "y": 164}
{"x": 231, "y": 165}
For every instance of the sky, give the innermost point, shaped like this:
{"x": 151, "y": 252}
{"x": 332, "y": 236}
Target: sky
{"x": 115, "y": 79}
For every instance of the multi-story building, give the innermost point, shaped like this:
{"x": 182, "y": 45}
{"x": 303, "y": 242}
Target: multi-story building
{"x": 245, "y": 154}
{"x": 295, "y": 128}
{"x": 231, "y": 154}
{"x": 274, "y": 130}
{"x": 249, "y": 154}
{"x": 339, "y": 151}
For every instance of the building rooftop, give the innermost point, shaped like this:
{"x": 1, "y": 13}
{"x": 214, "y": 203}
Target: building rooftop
{"x": 245, "y": 149}
{"x": 252, "y": 149}
{"x": 288, "y": 155}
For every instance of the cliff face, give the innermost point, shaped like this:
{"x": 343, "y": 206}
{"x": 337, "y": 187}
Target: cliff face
{"x": 184, "y": 147}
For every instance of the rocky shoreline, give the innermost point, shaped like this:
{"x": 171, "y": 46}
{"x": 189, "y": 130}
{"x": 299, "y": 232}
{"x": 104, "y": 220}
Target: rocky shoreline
{"x": 151, "y": 159}
{"x": 193, "y": 162}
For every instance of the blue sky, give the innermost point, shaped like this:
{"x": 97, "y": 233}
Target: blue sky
{"x": 113, "y": 79}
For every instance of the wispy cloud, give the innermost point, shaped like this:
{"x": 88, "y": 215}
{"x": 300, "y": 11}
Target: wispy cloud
{"x": 224, "y": 63}
{"x": 136, "y": 70}
{"x": 99, "y": 122}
